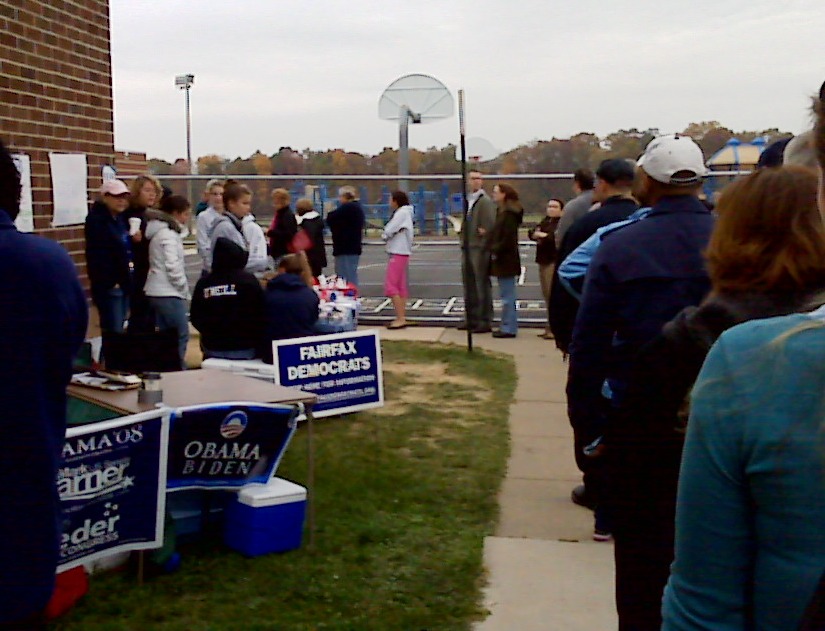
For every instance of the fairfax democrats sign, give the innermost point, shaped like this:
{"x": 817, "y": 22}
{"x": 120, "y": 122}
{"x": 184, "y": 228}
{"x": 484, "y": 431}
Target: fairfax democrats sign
{"x": 227, "y": 445}
{"x": 343, "y": 370}
{"x": 112, "y": 486}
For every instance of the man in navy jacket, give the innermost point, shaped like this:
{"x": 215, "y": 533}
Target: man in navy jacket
{"x": 43, "y": 317}
{"x": 346, "y": 223}
{"x": 640, "y": 278}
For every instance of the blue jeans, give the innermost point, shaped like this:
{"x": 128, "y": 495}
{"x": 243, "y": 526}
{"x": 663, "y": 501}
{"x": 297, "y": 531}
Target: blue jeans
{"x": 170, "y": 313}
{"x": 507, "y": 289}
{"x": 346, "y": 266}
{"x": 112, "y": 308}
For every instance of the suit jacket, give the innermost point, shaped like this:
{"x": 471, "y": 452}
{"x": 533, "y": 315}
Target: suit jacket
{"x": 482, "y": 215}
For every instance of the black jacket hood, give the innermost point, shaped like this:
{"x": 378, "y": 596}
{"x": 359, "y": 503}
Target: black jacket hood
{"x": 703, "y": 325}
{"x": 228, "y": 256}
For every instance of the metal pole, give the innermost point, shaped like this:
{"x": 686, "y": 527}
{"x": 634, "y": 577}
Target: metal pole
{"x": 190, "y": 186}
{"x": 403, "y": 148}
{"x": 310, "y": 474}
{"x": 465, "y": 252}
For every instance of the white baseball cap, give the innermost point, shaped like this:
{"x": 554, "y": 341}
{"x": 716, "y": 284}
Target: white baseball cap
{"x": 666, "y": 156}
{"x": 115, "y": 188}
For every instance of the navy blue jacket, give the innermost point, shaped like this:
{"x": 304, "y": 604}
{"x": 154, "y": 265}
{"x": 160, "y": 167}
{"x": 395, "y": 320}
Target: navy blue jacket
{"x": 291, "y": 309}
{"x": 562, "y": 305}
{"x": 346, "y": 223}
{"x": 640, "y": 278}
{"x": 108, "y": 251}
{"x": 43, "y": 317}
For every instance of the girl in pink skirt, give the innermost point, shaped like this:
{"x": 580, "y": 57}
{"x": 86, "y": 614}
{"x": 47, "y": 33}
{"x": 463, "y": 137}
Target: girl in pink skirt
{"x": 398, "y": 233}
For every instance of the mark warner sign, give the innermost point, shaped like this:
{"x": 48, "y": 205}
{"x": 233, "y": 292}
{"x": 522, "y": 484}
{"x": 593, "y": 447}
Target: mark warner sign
{"x": 112, "y": 486}
{"x": 344, "y": 370}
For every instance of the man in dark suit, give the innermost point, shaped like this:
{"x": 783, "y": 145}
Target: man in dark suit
{"x": 475, "y": 262}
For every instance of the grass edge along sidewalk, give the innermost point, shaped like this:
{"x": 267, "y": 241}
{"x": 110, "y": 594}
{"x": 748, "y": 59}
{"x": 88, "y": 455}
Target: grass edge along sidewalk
{"x": 405, "y": 496}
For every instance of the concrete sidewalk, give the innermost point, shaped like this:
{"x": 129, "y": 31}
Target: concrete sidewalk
{"x": 545, "y": 571}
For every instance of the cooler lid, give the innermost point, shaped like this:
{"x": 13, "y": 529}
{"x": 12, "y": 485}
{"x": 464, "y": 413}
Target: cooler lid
{"x": 276, "y": 491}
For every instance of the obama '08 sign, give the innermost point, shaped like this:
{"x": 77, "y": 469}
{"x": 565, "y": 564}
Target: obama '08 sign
{"x": 112, "y": 487}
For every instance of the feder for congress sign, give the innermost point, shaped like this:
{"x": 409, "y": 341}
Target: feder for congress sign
{"x": 112, "y": 487}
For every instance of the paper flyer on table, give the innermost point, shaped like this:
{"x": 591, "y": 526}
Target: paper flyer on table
{"x": 69, "y": 188}
{"x": 25, "y": 218}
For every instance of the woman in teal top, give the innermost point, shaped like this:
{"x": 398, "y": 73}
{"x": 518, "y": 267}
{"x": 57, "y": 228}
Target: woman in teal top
{"x": 750, "y": 521}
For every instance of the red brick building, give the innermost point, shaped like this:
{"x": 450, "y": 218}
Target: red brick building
{"x": 130, "y": 164}
{"x": 56, "y": 95}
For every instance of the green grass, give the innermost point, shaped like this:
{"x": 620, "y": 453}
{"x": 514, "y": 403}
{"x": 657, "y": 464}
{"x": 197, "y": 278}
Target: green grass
{"x": 405, "y": 497}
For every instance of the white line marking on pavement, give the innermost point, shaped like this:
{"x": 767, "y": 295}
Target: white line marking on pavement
{"x": 417, "y": 303}
{"x": 523, "y": 274}
{"x": 449, "y": 306}
{"x": 383, "y": 305}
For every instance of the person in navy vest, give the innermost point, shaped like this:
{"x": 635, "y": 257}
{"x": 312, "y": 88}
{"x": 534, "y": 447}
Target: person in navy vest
{"x": 43, "y": 319}
{"x": 109, "y": 255}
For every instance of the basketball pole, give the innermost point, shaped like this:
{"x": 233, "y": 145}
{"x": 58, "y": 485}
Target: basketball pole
{"x": 465, "y": 252}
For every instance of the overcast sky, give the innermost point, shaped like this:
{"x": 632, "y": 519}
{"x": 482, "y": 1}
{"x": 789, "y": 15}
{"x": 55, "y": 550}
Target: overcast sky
{"x": 272, "y": 73}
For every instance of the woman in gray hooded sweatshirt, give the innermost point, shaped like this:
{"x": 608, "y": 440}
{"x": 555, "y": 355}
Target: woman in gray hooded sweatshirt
{"x": 166, "y": 284}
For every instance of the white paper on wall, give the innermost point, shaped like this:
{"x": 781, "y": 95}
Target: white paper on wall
{"x": 69, "y": 181}
{"x": 25, "y": 218}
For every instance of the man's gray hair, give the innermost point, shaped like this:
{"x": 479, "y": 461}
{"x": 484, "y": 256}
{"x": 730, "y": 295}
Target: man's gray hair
{"x": 800, "y": 151}
{"x": 213, "y": 182}
{"x": 348, "y": 192}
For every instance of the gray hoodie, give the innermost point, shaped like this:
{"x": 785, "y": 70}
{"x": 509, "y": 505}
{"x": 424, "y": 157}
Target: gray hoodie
{"x": 167, "y": 266}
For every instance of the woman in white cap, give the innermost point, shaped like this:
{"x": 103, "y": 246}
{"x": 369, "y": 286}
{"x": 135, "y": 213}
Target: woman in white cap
{"x": 109, "y": 257}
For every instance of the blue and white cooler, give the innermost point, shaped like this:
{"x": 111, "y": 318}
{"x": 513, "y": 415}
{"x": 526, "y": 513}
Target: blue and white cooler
{"x": 266, "y": 518}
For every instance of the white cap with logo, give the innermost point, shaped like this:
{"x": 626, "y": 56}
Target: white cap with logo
{"x": 667, "y": 156}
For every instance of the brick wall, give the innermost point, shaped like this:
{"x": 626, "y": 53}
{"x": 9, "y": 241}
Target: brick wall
{"x": 130, "y": 164}
{"x": 56, "y": 95}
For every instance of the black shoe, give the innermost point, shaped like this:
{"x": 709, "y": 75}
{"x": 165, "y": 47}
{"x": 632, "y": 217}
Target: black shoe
{"x": 503, "y": 334}
{"x": 580, "y": 497}
{"x": 482, "y": 329}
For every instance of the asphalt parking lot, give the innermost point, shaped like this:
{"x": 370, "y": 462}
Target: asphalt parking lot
{"x": 436, "y": 293}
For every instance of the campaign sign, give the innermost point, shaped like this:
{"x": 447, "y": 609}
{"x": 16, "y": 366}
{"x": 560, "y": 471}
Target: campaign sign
{"x": 344, "y": 370}
{"x": 112, "y": 487}
{"x": 227, "y": 445}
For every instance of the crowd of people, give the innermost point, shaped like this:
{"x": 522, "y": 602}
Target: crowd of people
{"x": 695, "y": 337}
{"x": 254, "y": 288}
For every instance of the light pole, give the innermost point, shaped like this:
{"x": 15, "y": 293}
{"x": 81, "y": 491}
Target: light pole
{"x": 184, "y": 82}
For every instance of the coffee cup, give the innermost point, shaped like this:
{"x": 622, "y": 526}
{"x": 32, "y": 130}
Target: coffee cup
{"x": 134, "y": 225}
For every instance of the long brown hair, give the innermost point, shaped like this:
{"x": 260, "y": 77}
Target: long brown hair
{"x": 769, "y": 236}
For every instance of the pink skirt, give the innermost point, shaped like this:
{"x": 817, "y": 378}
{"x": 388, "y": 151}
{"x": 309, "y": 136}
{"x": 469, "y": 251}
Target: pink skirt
{"x": 395, "y": 282}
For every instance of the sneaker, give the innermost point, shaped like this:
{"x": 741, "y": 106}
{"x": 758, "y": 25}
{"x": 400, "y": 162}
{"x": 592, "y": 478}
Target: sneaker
{"x": 580, "y": 497}
{"x": 601, "y": 535}
{"x": 503, "y": 334}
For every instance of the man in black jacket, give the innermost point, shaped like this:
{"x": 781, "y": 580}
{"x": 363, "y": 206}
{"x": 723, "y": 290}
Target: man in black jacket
{"x": 614, "y": 181}
{"x": 347, "y": 225}
{"x": 228, "y": 306}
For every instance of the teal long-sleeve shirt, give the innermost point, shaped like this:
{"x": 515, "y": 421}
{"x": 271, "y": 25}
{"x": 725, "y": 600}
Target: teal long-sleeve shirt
{"x": 750, "y": 523}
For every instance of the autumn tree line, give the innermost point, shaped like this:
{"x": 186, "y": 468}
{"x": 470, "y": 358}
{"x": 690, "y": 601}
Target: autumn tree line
{"x": 559, "y": 155}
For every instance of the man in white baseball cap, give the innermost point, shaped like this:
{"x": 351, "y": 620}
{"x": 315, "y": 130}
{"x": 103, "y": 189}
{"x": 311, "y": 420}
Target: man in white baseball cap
{"x": 674, "y": 160}
{"x": 642, "y": 276}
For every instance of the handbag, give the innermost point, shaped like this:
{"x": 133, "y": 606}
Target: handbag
{"x": 301, "y": 242}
